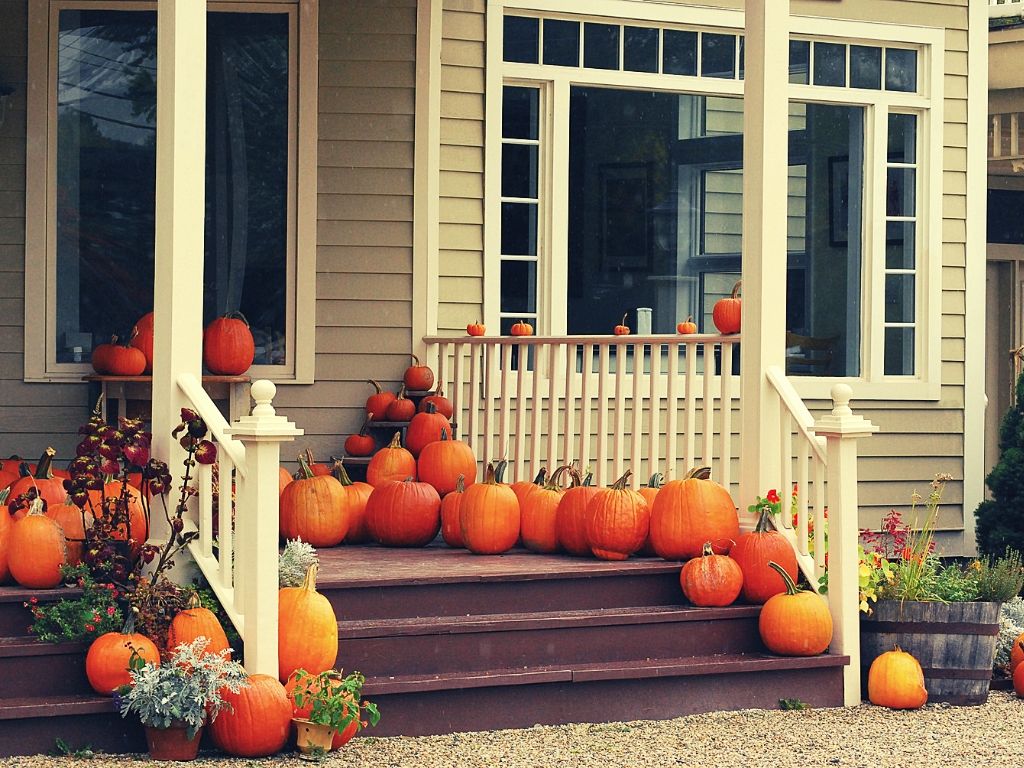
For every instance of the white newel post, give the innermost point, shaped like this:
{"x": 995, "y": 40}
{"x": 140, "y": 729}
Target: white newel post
{"x": 256, "y": 525}
{"x": 841, "y": 430}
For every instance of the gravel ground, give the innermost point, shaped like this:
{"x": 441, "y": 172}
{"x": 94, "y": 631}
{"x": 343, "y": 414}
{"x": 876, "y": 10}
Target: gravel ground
{"x": 872, "y": 737}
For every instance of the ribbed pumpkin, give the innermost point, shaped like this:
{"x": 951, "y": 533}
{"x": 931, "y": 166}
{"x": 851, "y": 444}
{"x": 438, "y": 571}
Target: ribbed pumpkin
{"x": 142, "y": 339}
{"x": 523, "y": 488}
{"x": 418, "y": 377}
{"x": 403, "y": 513}
{"x": 10, "y": 470}
{"x": 754, "y": 550}
{"x": 392, "y": 462}
{"x": 538, "y": 511}
{"x": 689, "y": 512}
{"x": 490, "y": 516}
{"x": 307, "y": 630}
{"x": 257, "y": 720}
{"x": 795, "y": 623}
{"x": 5, "y": 545}
{"x": 441, "y": 404}
{"x": 571, "y": 517}
{"x": 401, "y": 408}
{"x": 50, "y": 488}
{"x": 136, "y": 513}
{"x": 617, "y": 520}
{"x": 451, "y": 514}
{"x": 73, "y": 521}
{"x": 727, "y": 313}
{"x": 377, "y": 403}
{"x": 106, "y": 663}
{"x": 896, "y": 681}
{"x": 426, "y": 428}
{"x": 312, "y": 508}
{"x": 711, "y": 580}
{"x": 356, "y": 494}
{"x": 37, "y": 549}
{"x": 197, "y": 621}
{"x": 341, "y": 738}
{"x": 444, "y": 461}
{"x": 228, "y": 346}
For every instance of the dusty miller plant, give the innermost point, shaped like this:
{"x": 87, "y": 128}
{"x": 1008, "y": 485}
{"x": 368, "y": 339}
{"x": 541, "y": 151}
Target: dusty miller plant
{"x": 185, "y": 688}
{"x": 294, "y": 562}
{"x": 1011, "y": 626}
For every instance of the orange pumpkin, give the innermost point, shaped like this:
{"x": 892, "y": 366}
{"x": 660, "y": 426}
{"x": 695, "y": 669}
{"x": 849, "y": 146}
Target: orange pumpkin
{"x": 523, "y": 488}
{"x": 403, "y": 513}
{"x": 896, "y": 681}
{"x": 538, "y": 511}
{"x": 377, "y": 403}
{"x": 451, "y": 515}
{"x": 106, "y": 663}
{"x": 441, "y": 404}
{"x": 284, "y": 478}
{"x": 5, "y": 545}
{"x": 228, "y": 346}
{"x": 197, "y": 621}
{"x": 689, "y": 512}
{"x": 356, "y": 494}
{"x": 342, "y": 737}
{"x": 426, "y": 428}
{"x": 318, "y": 468}
{"x": 444, "y": 461}
{"x": 142, "y": 339}
{"x": 571, "y": 517}
{"x": 1017, "y": 653}
{"x": 650, "y": 492}
{"x": 136, "y": 514}
{"x": 418, "y": 377}
{"x": 49, "y": 488}
{"x": 37, "y": 549}
{"x": 361, "y": 444}
{"x": 622, "y": 329}
{"x": 392, "y": 462}
{"x": 1018, "y": 674}
{"x": 795, "y": 623}
{"x": 73, "y": 521}
{"x": 257, "y": 720}
{"x": 490, "y": 516}
{"x": 476, "y": 329}
{"x": 687, "y": 327}
{"x": 521, "y": 328}
{"x": 753, "y": 551}
{"x": 711, "y": 580}
{"x": 307, "y": 629}
{"x": 617, "y": 521}
{"x": 313, "y": 508}
{"x": 726, "y": 312}
{"x": 401, "y": 408}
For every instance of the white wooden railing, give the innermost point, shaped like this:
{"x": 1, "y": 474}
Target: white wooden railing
{"x": 238, "y": 557}
{"x": 998, "y": 8}
{"x": 654, "y": 404}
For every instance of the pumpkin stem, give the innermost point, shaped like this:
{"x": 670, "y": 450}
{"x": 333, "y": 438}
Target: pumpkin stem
{"x": 698, "y": 473}
{"x": 620, "y": 484}
{"x": 764, "y": 522}
{"x": 376, "y": 384}
{"x": 194, "y": 601}
{"x": 396, "y": 441}
{"x": 656, "y": 480}
{"x": 624, "y": 318}
{"x": 309, "y": 583}
{"x": 415, "y": 360}
{"x": 499, "y": 470}
{"x": 237, "y": 315}
{"x": 366, "y": 424}
{"x": 401, "y": 393}
{"x": 689, "y": 318}
{"x": 431, "y": 407}
{"x": 541, "y": 476}
{"x": 460, "y": 484}
{"x": 36, "y": 506}
{"x": 708, "y": 549}
{"x": 489, "y": 475}
{"x": 791, "y": 587}
{"x": 305, "y": 473}
{"x": 444, "y": 435}
{"x": 554, "y": 483}
{"x": 340, "y": 474}
{"x": 736, "y": 289}
{"x": 43, "y": 467}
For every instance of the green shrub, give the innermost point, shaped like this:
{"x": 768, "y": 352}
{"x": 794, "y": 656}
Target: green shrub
{"x": 1000, "y": 525}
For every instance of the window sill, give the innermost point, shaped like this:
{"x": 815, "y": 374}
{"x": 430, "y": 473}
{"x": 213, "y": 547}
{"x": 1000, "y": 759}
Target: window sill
{"x": 820, "y": 388}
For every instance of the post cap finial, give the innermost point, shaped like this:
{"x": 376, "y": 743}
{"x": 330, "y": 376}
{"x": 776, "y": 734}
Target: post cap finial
{"x": 263, "y": 392}
{"x": 841, "y": 394}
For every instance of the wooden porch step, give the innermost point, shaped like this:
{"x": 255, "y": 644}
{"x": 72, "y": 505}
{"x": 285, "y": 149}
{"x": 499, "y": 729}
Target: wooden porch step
{"x": 33, "y": 668}
{"x": 31, "y": 725}
{"x": 15, "y": 618}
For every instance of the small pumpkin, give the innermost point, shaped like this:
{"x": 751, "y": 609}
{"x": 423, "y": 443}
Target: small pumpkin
{"x": 727, "y": 312}
{"x": 441, "y": 404}
{"x": 522, "y": 328}
{"x": 425, "y": 428}
{"x": 687, "y": 326}
{"x": 228, "y": 346}
{"x": 49, "y": 488}
{"x": 418, "y": 377}
{"x": 256, "y": 721}
{"x": 795, "y": 623}
{"x": 106, "y": 663}
{"x": 571, "y": 517}
{"x": 617, "y": 520}
{"x": 312, "y": 508}
{"x": 444, "y": 461}
{"x": 690, "y": 511}
{"x": 711, "y": 580}
{"x": 621, "y": 329}
{"x": 356, "y": 494}
{"x": 490, "y": 516}
{"x": 114, "y": 359}
{"x": 754, "y": 550}
{"x": 284, "y": 477}
{"x": 197, "y": 621}
{"x": 403, "y": 513}
{"x": 142, "y": 339}
{"x": 307, "y": 629}
{"x": 401, "y": 408}
{"x": 377, "y": 403}
{"x": 476, "y": 329}
{"x": 451, "y": 514}
{"x": 361, "y": 444}
{"x": 392, "y": 462}
{"x": 538, "y": 519}
{"x": 37, "y": 549}
{"x": 896, "y": 681}
{"x": 318, "y": 468}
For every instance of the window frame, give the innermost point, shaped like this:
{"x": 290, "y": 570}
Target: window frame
{"x": 927, "y": 103}
{"x": 40, "y": 351}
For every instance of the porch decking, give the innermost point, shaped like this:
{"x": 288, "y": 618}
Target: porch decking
{"x": 451, "y": 641}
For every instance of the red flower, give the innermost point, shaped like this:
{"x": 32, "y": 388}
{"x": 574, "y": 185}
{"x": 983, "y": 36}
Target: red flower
{"x": 773, "y": 496}
{"x": 90, "y": 628}
{"x": 111, "y": 610}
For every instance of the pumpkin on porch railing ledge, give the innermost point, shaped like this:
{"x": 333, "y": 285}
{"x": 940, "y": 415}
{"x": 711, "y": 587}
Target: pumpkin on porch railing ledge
{"x": 142, "y": 339}
{"x": 113, "y": 359}
{"x": 228, "y": 346}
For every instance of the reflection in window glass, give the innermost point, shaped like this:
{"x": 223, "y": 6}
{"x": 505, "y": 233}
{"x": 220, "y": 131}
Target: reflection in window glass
{"x": 640, "y": 49}
{"x": 865, "y": 67}
{"x": 561, "y": 42}
{"x": 717, "y": 55}
{"x": 902, "y": 142}
{"x": 679, "y": 56}
{"x": 799, "y": 61}
{"x": 899, "y": 192}
{"x": 899, "y": 298}
{"x": 829, "y": 64}
{"x": 899, "y": 351}
{"x": 900, "y": 70}
{"x": 601, "y": 46}
{"x": 521, "y": 41}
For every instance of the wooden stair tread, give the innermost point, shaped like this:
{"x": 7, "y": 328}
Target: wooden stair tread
{"x": 502, "y": 622}
{"x": 32, "y": 646}
{"x": 55, "y": 706}
{"x": 16, "y": 594}
{"x": 588, "y": 672}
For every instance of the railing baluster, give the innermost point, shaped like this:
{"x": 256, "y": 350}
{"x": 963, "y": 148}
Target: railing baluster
{"x": 803, "y": 460}
{"x": 473, "y": 416}
{"x": 584, "y": 452}
{"x": 554, "y": 352}
{"x": 491, "y": 352}
{"x": 619, "y": 422}
{"x": 455, "y": 391}
{"x": 602, "y": 416}
{"x": 569, "y": 406}
{"x": 505, "y": 397}
{"x": 786, "y": 460}
{"x": 225, "y": 526}
{"x": 672, "y": 412}
{"x": 519, "y": 441}
{"x": 442, "y": 370}
{"x": 636, "y": 433}
{"x": 725, "y": 447}
{"x": 536, "y": 413}
{"x": 205, "y": 478}
{"x": 654, "y": 410}
{"x": 690, "y": 408}
{"x": 707, "y": 453}
{"x": 819, "y": 515}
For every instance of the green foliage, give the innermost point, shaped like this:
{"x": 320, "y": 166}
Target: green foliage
{"x": 1000, "y": 578}
{"x": 794, "y": 704}
{"x": 999, "y": 522}
{"x": 78, "y": 621}
{"x": 953, "y": 584}
{"x": 62, "y": 749}
{"x": 1011, "y": 626}
{"x": 336, "y": 700}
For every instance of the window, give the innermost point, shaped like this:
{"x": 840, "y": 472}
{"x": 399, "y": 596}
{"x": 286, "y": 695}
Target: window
{"x": 100, "y": 175}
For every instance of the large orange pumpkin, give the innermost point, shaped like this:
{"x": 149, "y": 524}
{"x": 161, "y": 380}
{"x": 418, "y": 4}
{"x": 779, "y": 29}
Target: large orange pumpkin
{"x": 795, "y": 623}
{"x": 753, "y": 551}
{"x": 617, "y": 521}
{"x": 307, "y": 630}
{"x": 37, "y": 549}
{"x": 427, "y": 427}
{"x": 689, "y": 512}
{"x": 896, "y": 680}
{"x": 403, "y": 513}
{"x": 711, "y": 580}
{"x": 341, "y": 738}
{"x": 392, "y": 462}
{"x": 106, "y": 663}
{"x": 356, "y": 494}
{"x": 74, "y": 521}
{"x": 523, "y": 488}
{"x": 257, "y": 720}
{"x": 444, "y": 461}
{"x": 451, "y": 515}
{"x": 142, "y": 339}
{"x": 228, "y": 346}
{"x": 571, "y": 517}
{"x": 197, "y": 621}
{"x": 538, "y": 511}
{"x": 313, "y": 508}
{"x": 490, "y": 516}
{"x": 49, "y": 488}
{"x": 727, "y": 312}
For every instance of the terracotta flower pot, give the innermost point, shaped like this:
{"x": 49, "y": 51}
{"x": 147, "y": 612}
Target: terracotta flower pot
{"x": 312, "y": 737}
{"x": 172, "y": 743}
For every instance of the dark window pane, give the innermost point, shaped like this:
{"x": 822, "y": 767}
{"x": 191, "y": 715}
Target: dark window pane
{"x": 799, "y": 60}
{"x": 717, "y": 55}
{"x": 899, "y": 192}
{"x": 519, "y": 229}
{"x": 561, "y": 42}
{"x": 899, "y": 298}
{"x": 899, "y": 244}
{"x": 902, "y": 138}
{"x": 900, "y": 69}
{"x": 829, "y": 64}
{"x": 742, "y": 53}
{"x": 1005, "y": 223}
{"x": 519, "y": 170}
{"x": 518, "y": 286}
{"x": 679, "y": 53}
{"x": 865, "y": 67}
{"x": 519, "y": 107}
{"x": 522, "y": 39}
{"x": 641, "y": 49}
{"x": 899, "y": 351}
{"x": 601, "y": 46}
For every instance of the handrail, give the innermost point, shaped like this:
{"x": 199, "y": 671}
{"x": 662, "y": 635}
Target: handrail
{"x": 215, "y": 421}
{"x": 795, "y": 405}
{"x": 607, "y": 339}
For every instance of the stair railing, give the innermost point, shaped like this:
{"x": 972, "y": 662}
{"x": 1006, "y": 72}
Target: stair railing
{"x": 238, "y": 512}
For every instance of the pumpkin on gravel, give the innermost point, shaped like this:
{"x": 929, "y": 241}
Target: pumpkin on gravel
{"x": 307, "y": 629}
{"x": 896, "y": 680}
{"x": 256, "y": 721}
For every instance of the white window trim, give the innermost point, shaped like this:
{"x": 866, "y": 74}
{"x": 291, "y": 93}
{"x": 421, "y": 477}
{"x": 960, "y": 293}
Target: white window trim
{"x": 40, "y": 257}
{"x": 927, "y": 104}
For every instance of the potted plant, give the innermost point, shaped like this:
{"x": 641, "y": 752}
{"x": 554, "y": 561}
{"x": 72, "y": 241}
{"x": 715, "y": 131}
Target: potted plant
{"x": 173, "y": 699}
{"x": 327, "y": 704}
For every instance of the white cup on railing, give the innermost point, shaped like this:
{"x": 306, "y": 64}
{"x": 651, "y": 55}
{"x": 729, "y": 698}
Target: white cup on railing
{"x": 643, "y": 321}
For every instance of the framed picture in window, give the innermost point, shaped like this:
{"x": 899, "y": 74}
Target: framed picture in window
{"x": 626, "y": 222}
{"x": 838, "y": 201}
